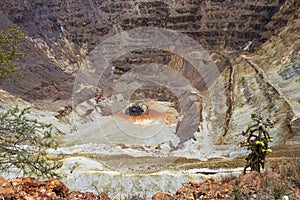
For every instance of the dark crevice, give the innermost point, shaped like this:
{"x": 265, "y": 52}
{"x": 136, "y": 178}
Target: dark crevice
{"x": 230, "y": 99}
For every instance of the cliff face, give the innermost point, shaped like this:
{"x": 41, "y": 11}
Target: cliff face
{"x": 218, "y": 24}
{"x": 43, "y": 78}
{"x": 62, "y": 35}
{"x": 65, "y": 41}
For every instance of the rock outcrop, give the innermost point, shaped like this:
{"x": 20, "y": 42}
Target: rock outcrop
{"x": 252, "y": 48}
{"x": 218, "y": 23}
{"x": 60, "y": 34}
{"x": 252, "y": 185}
{"x": 30, "y": 188}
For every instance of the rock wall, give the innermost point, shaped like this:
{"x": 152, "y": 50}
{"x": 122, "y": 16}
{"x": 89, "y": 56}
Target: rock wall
{"x": 265, "y": 81}
{"x": 217, "y": 23}
{"x": 42, "y": 78}
{"x": 67, "y": 30}
{"x": 59, "y": 35}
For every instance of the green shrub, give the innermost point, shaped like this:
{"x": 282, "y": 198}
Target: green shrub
{"x": 9, "y": 41}
{"x": 23, "y": 142}
{"x": 257, "y": 142}
{"x": 278, "y": 190}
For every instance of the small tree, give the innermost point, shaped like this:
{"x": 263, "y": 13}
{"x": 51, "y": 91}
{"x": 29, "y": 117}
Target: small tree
{"x": 23, "y": 142}
{"x": 9, "y": 41}
{"x": 257, "y": 142}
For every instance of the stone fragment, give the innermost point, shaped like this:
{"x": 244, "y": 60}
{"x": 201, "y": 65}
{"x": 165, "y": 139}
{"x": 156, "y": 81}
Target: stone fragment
{"x": 163, "y": 196}
{"x": 295, "y": 126}
{"x": 6, "y": 190}
{"x": 31, "y": 189}
{"x": 138, "y": 108}
{"x": 60, "y": 187}
{"x": 250, "y": 180}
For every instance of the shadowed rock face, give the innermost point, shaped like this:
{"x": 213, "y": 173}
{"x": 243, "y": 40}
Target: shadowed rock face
{"x": 61, "y": 33}
{"x": 218, "y": 23}
{"x": 42, "y": 79}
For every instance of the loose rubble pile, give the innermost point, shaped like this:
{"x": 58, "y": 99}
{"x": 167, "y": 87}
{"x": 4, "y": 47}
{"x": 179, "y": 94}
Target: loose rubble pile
{"x": 281, "y": 181}
{"x": 252, "y": 186}
{"x": 209, "y": 189}
{"x": 32, "y": 189}
{"x": 213, "y": 189}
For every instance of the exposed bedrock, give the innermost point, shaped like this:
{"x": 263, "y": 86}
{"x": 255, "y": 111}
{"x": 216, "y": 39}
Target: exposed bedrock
{"x": 67, "y": 30}
{"x": 62, "y": 36}
{"x": 217, "y": 24}
{"x": 249, "y": 62}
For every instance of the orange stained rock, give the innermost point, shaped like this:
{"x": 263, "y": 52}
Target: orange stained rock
{"x": 152, "y": 114}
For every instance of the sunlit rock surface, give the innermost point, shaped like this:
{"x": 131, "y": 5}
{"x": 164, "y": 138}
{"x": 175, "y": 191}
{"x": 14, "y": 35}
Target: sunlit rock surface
{"x": 60, "y": 34}
{"x": 139, "y": 154}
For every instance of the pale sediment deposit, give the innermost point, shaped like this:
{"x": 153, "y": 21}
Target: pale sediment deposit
{"x": 198, "y": 70}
